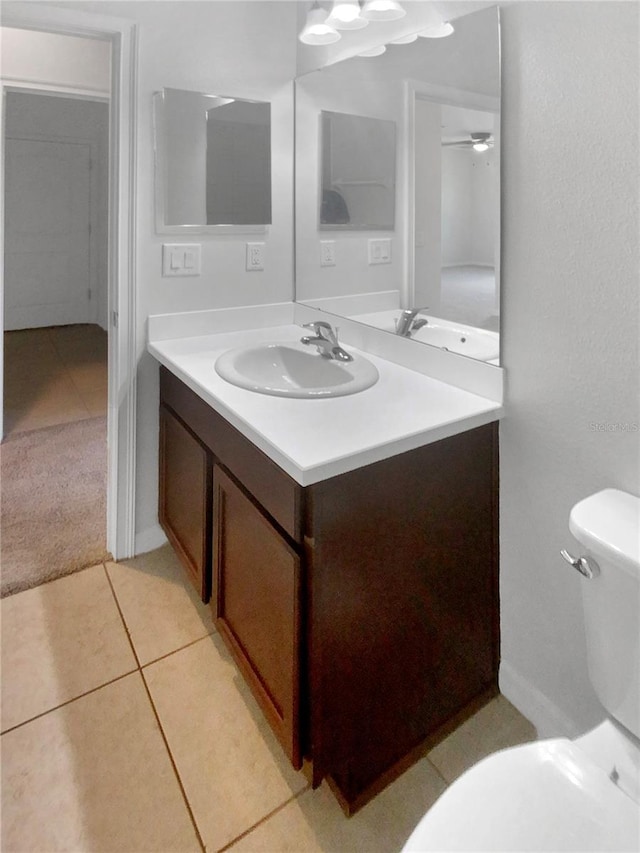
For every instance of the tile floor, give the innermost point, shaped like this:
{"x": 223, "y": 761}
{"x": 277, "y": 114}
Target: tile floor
{"x": 54, "y": 375}
{"x": 126, "y": 727}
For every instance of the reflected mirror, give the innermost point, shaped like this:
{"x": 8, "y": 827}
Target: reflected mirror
{"x": 213, "y": 161}
{"x": 439, "y": 254}
{"x": 358, "y": 172}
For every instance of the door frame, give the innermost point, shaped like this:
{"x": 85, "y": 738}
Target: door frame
{"x": 122, "y": 357}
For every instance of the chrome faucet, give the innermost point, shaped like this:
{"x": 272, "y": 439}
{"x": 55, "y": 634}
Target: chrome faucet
{"x": 408, "y": 322}
{"x": 326, "y": 341}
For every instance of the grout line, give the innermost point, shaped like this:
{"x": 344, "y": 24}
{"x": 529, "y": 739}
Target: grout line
{"x": 124, "y": 623}
{"x": 264, "y": 819}
{"x": 69, "y": 701}
{"x": 173, "y": 764}
{"x": 157, "y": 718}
{"x": 438, "y": 771}
{"x": 180, "y": 648}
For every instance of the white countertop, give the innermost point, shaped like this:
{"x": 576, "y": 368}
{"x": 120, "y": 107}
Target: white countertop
{"x": 314, "y": 439}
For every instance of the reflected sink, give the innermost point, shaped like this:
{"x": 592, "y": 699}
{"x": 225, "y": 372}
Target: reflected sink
{"x": 294, "y": 370}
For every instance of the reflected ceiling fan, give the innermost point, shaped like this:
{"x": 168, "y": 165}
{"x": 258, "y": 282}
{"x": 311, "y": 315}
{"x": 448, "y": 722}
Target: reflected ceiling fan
{"x": 478, "y": 141}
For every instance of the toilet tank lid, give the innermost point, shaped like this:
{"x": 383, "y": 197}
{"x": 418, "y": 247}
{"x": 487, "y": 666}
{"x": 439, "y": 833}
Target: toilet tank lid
{"x": 608, "y": 524}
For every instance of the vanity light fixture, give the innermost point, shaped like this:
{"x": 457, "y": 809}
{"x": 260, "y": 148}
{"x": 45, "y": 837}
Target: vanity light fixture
{"x": 383, "y": 10}
{"x": 438, "y": 31}
{"x": 374, "y": 51}
{"x": 317, "y": 30}
{"x": 345, "y": 15}
{"x": 405, "y": 39}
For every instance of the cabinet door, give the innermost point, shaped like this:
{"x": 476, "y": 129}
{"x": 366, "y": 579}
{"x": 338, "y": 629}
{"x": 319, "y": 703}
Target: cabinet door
{"x": 256, "y": 603}
{"x": 185, "y": 498}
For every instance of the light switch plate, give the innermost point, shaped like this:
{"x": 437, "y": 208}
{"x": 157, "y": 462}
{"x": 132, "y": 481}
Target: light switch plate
{"x": 379, "y": 250}
{"x": 179, "y": 259}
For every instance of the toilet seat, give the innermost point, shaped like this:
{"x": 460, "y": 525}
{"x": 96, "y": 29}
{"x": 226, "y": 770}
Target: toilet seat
{"x": 544, "y": 796}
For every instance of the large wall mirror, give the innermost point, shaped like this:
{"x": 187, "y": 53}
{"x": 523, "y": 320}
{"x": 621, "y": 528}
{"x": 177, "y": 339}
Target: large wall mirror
{"x": 213, "y": 162}
{"x": 440, "y": 252}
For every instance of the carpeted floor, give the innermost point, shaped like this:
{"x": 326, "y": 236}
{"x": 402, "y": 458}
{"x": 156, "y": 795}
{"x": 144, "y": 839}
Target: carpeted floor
{"x": 52, "y": 503}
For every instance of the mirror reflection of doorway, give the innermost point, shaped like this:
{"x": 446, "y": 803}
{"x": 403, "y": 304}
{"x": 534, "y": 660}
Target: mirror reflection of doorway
{"x": 457, "y": 213}
{"x": 54, "y": 453}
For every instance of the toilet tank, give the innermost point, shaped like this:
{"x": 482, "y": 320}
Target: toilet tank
{"x": 607, "y": 525}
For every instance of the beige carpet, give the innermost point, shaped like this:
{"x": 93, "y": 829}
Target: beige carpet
{"x": 52, "y": 503}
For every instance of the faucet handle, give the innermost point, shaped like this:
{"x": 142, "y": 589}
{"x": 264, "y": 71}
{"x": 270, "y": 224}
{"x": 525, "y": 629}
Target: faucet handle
{"x": 323, "y": 330}
{"x": 316, "y": 325}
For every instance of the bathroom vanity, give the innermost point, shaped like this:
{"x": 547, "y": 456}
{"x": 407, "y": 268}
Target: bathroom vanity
{"x": 358, "y": 595}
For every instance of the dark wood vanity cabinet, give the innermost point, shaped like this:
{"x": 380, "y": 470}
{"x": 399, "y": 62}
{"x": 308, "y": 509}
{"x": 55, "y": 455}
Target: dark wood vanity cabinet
{"x": 185, "y": 498}
{"x": 362, "y": 610}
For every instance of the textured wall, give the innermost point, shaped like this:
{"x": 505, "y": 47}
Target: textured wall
{"x": 570, "y": 326}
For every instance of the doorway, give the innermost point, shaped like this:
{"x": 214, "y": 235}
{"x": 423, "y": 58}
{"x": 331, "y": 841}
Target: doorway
{"x": 54, "y": 463}
{"x": 116, "y": 305}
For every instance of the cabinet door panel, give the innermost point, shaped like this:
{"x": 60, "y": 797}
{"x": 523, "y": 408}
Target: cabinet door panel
{"x": 257, "y": 606}
{"x": 185, "y": 499}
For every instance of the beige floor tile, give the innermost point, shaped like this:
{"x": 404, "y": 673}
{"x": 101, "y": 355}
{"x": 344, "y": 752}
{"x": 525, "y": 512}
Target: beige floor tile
{"x": 314, "y": 822}
{"x": 160, "y": 607}
{"x": 28, "y": 344}
{"x": 77, "y": 334}
{"x": 60, "y": 640}
{"x": 79, "y": 338}
{"x": 233, "y": 770}
{"x": 95, "y": 402}
{"x": 54, "y": 376}
{"x": 21, "y": 420}
{"x": 82, "y": 352}
{"x": 496, "y": 726}
{"x": 50, "y": 386}
{"x": 93, "y": 776}
{"x": 89, "y": 375}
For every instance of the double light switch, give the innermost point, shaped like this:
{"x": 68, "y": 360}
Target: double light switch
{"x": 181, "y": 259}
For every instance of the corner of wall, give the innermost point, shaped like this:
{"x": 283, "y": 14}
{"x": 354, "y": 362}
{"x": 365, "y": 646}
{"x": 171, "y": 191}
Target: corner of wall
{"x": 548, "y": 719}
{"x": 149, "y": 539}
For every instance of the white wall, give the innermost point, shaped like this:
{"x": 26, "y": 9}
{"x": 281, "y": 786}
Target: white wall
{"x": 56, "y": 60}
{"x": 570, "y": 326}
{"x": 35, "y": 116}
{"x": 485, "y": 186}
{"x": 469, "y": 188}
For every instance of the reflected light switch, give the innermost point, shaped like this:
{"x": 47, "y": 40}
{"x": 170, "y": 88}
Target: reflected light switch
{"x": 379, "y": 250}
{"x": 327, "y": 253}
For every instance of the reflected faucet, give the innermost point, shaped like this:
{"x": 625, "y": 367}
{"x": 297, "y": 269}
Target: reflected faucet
{"x": 409, "y": 322}
{"x": 326, "y": 341}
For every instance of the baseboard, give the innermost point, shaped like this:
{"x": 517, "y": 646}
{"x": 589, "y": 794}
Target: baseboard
{"x": 149, "y": 539}
{"x": 545, "y": 715}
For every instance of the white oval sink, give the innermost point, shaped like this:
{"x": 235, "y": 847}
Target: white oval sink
{"x": 294, "y": 370}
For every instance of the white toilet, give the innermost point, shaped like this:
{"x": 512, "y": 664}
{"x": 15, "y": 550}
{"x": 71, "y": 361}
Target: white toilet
{"x": 559, "y": 795}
